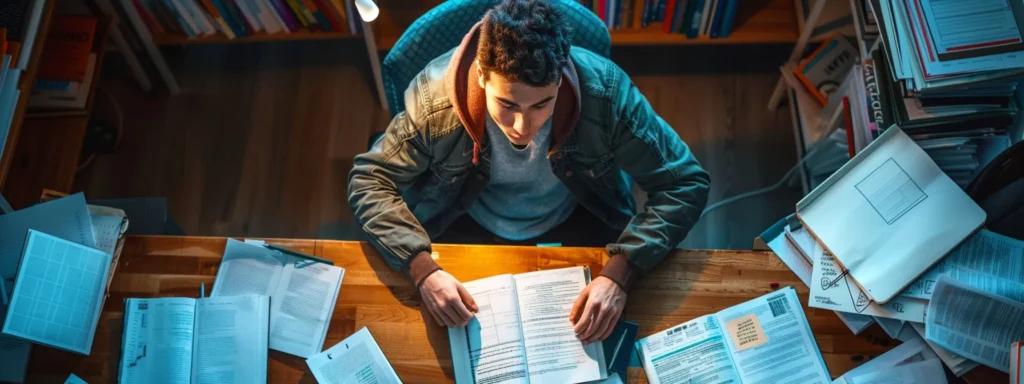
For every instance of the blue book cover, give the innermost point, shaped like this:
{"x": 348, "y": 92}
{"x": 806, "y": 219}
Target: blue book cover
{"x": 728, "y": 18}
{"x": 677, "y": 17}
{"x": 694, "y": 8}
{"x": 232, "y": 23}
{"x": 719, "y": 13}
{"x": 659, "y": 11}
{"x": 646, "y": 16}
{"x": 617, "y": 21}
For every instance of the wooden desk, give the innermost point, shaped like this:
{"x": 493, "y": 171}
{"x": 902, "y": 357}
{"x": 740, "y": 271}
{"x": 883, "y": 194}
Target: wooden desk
{"x": 687, "y": 285}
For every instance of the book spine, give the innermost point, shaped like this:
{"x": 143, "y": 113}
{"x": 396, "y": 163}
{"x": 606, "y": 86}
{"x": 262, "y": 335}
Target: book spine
{"x": 218, "y": 18}
{"x": 286, "y": 16}
{"x": 618, "y": 14}
{"x": 848, "y": 121}
{"x": 704, "y": 14}
{"x": 659, "y": 11}
{"x": 729, "y": 18}
{"x": 166, "y": 16}
{"x": 204, "y": 22}
{"x": 186, "y": 22}
{"x": 873, "y": 99}
{"x": 147, "y": 17}
{"x": 318, "y": 14}
{"x": 719, "y": 13}
{"x": 268, "y": 17}
{"x": 236, "y": 14}
{"x": 602, "y": 10}
{"x": 225, "y": 16}
{"x": 692, "y": 18}
{"x": 329, "y": 18}
{"x": 680, "y": 21}
{"x": 293, "y": 5}
{"x": 339, "y": 7}
{"x": 667, "y": 25}
{"x": 249, "y": 14}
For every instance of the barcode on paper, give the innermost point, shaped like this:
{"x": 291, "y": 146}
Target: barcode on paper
{"x": 779, "y": 306}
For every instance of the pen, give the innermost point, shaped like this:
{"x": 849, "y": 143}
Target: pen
{"x": 297, "y": 254}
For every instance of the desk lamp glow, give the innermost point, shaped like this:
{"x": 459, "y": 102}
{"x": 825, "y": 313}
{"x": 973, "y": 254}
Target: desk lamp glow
{"x": 368, "y": 11}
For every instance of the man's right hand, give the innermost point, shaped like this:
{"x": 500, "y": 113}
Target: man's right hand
{"x": 446, "y": 299}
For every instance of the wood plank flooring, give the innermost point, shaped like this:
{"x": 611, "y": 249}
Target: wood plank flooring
{"x": 262, "y": 137}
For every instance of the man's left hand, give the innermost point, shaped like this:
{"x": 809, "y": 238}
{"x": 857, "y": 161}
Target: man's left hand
{"x": 597, "y": 310}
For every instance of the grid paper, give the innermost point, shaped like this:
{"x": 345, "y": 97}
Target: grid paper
{"x": 56, "y": 299}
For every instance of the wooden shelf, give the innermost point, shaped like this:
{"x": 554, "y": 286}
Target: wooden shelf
{"x": 48, "y": 150}
{"x": 28, "y": 78}
{"x": 757, "y": 22}
{"x": 258, "y": 38}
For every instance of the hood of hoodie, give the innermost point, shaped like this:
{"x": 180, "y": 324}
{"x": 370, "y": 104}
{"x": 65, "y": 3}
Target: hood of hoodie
{"x": 469, "y": 99}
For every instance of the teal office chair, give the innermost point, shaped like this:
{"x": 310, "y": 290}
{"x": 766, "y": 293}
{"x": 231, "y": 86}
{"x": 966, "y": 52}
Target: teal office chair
{"x": 443, "y": 28}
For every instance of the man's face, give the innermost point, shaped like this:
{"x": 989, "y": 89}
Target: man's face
{"x": 518, "y": 109}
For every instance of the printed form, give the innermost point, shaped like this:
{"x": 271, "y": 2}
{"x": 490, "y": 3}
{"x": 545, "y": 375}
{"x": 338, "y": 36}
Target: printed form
{"x": 975, "y": 262}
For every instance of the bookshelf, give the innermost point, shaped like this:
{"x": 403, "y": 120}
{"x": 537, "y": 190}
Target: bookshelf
{"x": 303, "y": 35}
{"x": 25, "y": 86}
{"x": 47, "y": 151}
{"x": 757, "y": 22}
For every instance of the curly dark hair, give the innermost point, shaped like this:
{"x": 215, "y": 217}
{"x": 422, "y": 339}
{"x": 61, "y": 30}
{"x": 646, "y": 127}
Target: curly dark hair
{"x": 524, "y": 41}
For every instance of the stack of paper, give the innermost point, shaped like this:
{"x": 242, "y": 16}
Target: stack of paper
{"x": 910, "y": 362}
{"x": 977, "y": 324}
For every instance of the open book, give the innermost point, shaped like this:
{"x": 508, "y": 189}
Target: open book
{"x": 763, "y": 340}
{"x": 185, "y": 340}
{"x": 522, "y": 333}
{"x": 888, "y": 215}
{"x": 303, "y": 293}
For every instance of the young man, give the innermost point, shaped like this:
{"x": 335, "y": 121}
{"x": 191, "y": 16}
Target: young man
{"x": 516, "y": 132}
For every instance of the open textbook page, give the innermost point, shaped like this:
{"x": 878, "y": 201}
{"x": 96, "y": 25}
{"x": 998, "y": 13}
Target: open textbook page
{"x": 764, "y": 340}
{"x": 553, "y": 352}
{"x": 229, "y": 344}
{"x": 522, "y": 333}
{"x": 303, "y": 293}
{"x": 973, "y": 323}
{"x": 357, "y": 359}
{"x": 490, "y": 349}
{"x": 983, "y": 255}
{"x": 157, "y": 342}
{"x": 831, "y": 289}
{"x": 957, "y": 364}
{"x": 790, "y": 253}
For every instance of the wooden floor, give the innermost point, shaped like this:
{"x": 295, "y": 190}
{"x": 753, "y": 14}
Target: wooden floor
{"x": 261, "y": 140}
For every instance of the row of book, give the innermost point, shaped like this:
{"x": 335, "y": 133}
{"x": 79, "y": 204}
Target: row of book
{"x": 694, "y": 18}
{"x": 242, "y": 18}
{"x": 19, "y": 26}
{"x": 66, "y": 65}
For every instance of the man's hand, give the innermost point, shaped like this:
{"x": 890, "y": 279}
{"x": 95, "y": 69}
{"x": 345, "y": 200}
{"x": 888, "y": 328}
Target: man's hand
{"x": 447, "y": 300}
{"x": 597, "y": 310}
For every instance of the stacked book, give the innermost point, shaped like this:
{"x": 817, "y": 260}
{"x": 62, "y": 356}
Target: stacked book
{"x": 67, "y": 65}
{"x": 19, "y": 26}
{"x": 962, "y": 119}
{"x": 242, "y": 18}
{"x": 693, "y": 18}
{"x": 875, "y": 242}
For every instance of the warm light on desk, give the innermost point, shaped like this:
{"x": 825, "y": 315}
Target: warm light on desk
{"x": 368, "y": 11}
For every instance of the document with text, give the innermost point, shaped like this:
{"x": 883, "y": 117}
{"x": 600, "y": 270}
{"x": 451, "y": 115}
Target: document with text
{"x": 185, "y": 340}
{"x": 787, "y": 249}
{"x": 303, "y": 293}
{"x": 973, "y": 323}
{"x": 957, "y": 364}
{"x": 832, "y": 289}
{"x": 913, "y": 350}
{"x": 522, "y": 332}
{"x": 975, "y": 262}
{"x": 355, "y": 360}
{"x": 765, "y": 340}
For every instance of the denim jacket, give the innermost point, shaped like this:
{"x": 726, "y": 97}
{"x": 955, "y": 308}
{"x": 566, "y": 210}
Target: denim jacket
{"x": 433, "y": 162}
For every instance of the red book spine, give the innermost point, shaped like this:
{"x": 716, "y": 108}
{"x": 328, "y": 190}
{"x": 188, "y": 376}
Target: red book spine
{"x": 670, "y": 9}
{"x": 602, "y": 7}
{"x": 848, "y": 120}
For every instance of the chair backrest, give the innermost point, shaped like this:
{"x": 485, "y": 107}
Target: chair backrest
{"x": 443, "y": 28}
